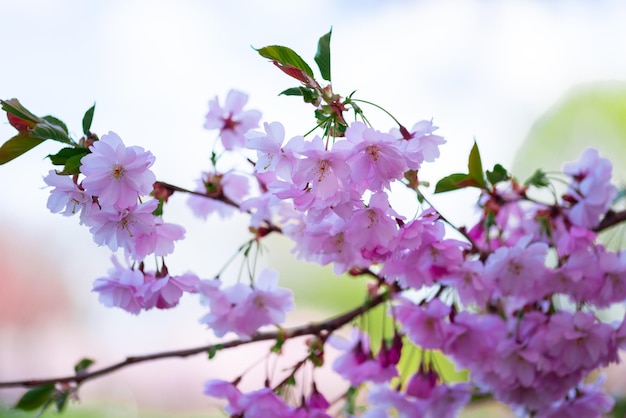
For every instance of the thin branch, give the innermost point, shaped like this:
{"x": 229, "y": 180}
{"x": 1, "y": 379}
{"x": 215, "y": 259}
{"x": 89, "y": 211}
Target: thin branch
{"x": 222, "y": 198}
{"x": 610, "y": 219}
{"x": 328, "y": 326}
{"x": 271, "y": 227}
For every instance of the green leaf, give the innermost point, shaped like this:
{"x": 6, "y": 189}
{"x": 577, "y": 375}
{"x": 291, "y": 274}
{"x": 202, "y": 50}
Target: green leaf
{"x": 475, "y": 166}
{"x": 212, "y": 351}
{"x": 285, "y": 56}
{"x": 292, "y": 91}
{"x": 159, "y": 209}
{"x": 57, "y": 122}
{"x": 61, "y": 157}
{"x": 350, "y": 400}
{"x": 454, "y": 182}
{"x": 280, "y": 341}
{"x": 498, "y": 174}
{"x": 60, "y": 400}
{"x": 538, "y": 179}
{"x": 83, "y": 365}
{"x": 87, "y": 119}
{"x": 47, "y": 130}
{"x": 35, "y": 397}
{"x": 72, "y": 165}
{"x": 14, "y": 107}
{"x": 17, "y": 146}
{"x": 322, "y": 56}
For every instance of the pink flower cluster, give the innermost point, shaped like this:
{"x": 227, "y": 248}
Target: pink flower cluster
{"x": 498, "y": 291}
{"x": 135, "y": 290}
{"x": 114, "y": 178}
{"x": 243, "y": 309}
{"x": 265, "y": 403}
{"x": 339, "y": 192}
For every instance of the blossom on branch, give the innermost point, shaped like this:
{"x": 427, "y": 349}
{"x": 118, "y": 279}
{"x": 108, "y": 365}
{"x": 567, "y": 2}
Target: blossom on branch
{"x": 232, "y": 121}
{"x": 117, "y": 174}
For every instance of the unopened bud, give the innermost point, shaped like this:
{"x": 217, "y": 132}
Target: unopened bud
{"x": 18, "y": 123}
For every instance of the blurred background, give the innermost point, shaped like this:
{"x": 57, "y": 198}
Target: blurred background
{"x": 533, "y": 82}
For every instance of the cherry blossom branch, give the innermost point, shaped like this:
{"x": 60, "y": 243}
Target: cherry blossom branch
{"x": 328, "y": 326}
{"x": 172, "y": 188}
{"x": 220, "y": 197}
{"x": 611, "y": 219}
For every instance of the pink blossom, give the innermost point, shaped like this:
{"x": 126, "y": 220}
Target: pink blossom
{"x": 375, "y": 225}
{"x": 221, "y": 303}
{"x": 119, "y": 228}
{"x": 117, "y": 174}
{"x": 357, "y": 363}
{"x": 422, "y": 146}
{"x": 585, "y": 401}
{"x": 382, "y": 399}
{"x": 577, "y": 341}
{"x": 422, "y": 383}
{"x": 468, "y": 280}
{"x": 270, "y": 154}
{"x": 232, "y": 121}
{"x": 66, "y": 197}
{"x": 324, "y": 172}
{"x": 517, "y": 271}
{"x": 231, "y": 186}
{"x": 159, "y": 240}
{"x": 264, "y": 403}
{"x": 165, "y": 292}
{"x": 222, "y": 389}
{"x": 375, "y": 158}
{"x": 122, "y": 288}
{"x": 448, "y": 400}
{"x": 243, "y": 309}
{"x": 267, "y": 304}
{"x": 590, "y": 191}
{"x": 426, "y": 325}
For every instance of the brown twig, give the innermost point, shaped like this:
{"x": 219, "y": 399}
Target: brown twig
{"x": 611, "y": 218}
{"x": 329, "y": 326}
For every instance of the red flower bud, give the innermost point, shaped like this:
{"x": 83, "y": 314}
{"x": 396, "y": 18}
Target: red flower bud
{"x": 18, "y": 123}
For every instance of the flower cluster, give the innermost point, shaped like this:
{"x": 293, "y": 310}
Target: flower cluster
{"x": 243, "y": 309}
{"x": 134, "y": 290}
{"x": 107, "y": 196}
{"x": 517, "y": 343}
{"x": 511, "y": 299}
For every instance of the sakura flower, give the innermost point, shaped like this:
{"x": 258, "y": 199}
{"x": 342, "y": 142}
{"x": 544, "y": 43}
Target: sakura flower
{"x": 122, "y": 288}
{"x": 586, "y": 401}
{"x": 232, "y": 121}
{"x": 325, "y": 172}
{"x": 383, "y": 399}
{"x": 517, "y": 271}
{"x": 267, "y": 304}
{"x": 222, "y": 389}
{"x": 218, "y": 188}
{"x": 357, "y": 363}
{"x": 422, "y": 144}
{"x": 159, "y": 240}
{"x": 221, "y": 302}
{"x": 264, "y": 403}
{"x": 119, "y": 228}
{"x": 165, "y": 292}
{"x": 590, "y": 191}
{"x": 115, "y": 173}
{"x": 271, "y": 155}
{"x": 66, "y": 198}
{"x": 242, "y": 309}
{"x": 425, "y": 325}
{"x": 375, "y": 157}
